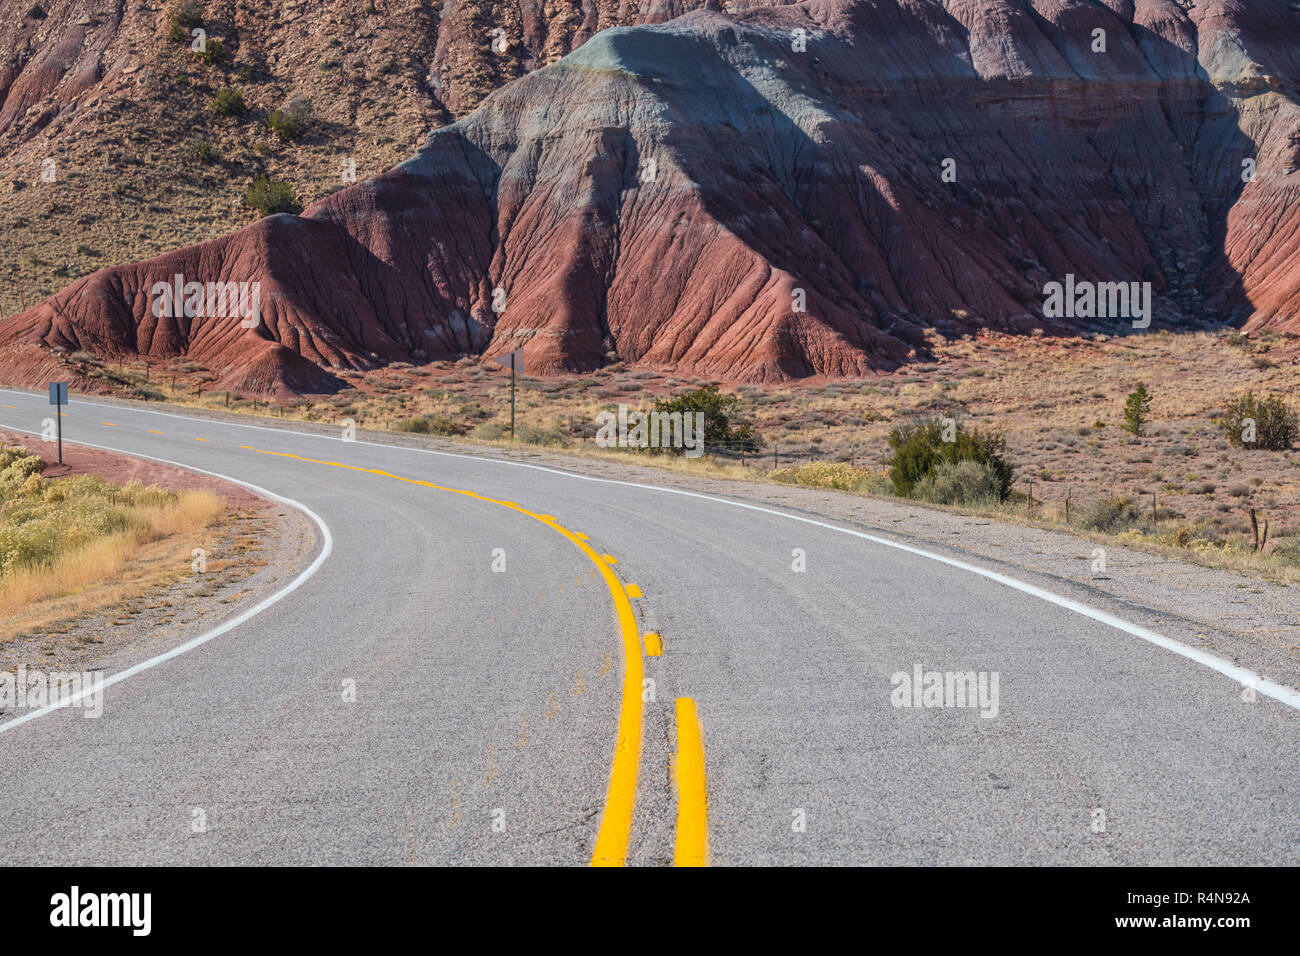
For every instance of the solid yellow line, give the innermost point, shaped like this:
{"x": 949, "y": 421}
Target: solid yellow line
{"x": 692, "y": 802}
{"x": 8, "y": 406}
{"x": 654, "y": 645}
{"x": 633, "y": 591}
{"x": 154, "y": 431}
{"x": 620, "y": 799}
{"x": 109, "y": 424}
{"x": 203, "y": 439}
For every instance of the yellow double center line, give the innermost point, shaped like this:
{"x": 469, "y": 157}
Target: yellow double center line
{"x": 620, "y": 800}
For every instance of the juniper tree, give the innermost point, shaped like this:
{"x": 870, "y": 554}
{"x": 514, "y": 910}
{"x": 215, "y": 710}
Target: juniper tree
{"x": 1137, "y": 409}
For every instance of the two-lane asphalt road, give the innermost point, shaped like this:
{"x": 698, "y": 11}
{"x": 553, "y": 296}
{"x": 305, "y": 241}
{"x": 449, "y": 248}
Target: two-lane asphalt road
{"x": 554, "y": 711}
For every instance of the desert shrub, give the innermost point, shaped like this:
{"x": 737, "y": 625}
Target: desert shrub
{"x": 1276, "y": 425}
{"x": 205, "y": 152}
{"x": 16, "y": 466}
{"x": 183, "y": 17}
{"x": 1287, "y": 551}
{"x": 432, "y": 425}
{"x": 965, "y": 482}
{"x": 289, "y": 123}
{"x": 826, "y": 474}
{"x": 920, "y": 449}
{"x": 229, "y": 102}
{"x": 1110, "y": 515}
{"x": 214, "y": 50}
{"x": 723, "y": 426}
{"x": 36, "y": 526}
{"x": 535, "y": 435}
{"x": 270, "y": 196}
{"x": 491, "y": 431}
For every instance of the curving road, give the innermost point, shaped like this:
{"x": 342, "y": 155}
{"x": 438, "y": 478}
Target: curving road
{"x": 516, "y": 717}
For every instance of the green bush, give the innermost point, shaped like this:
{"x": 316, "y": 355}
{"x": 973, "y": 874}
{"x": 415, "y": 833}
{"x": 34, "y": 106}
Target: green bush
{"x": 722, "y": 424}
{"x": 535, "y": 435}
{"x": 205, "y": 152}
{"x": 1276, "y": 424}
{"x": 432, "y": 425}
{"x": 182, "y": 18}
{"x": 270, "y": 196}
{"x": 1110, "y": 515}
{"x": 289, "y": 123}
{"x": 147, "y": 393}
{"x": 229, "y": 102}
{"x": 214, "y": 50}
{"x": 968, "y": 483}
{"x": 1137, "y": 409}
{"x": 920, "y": 449}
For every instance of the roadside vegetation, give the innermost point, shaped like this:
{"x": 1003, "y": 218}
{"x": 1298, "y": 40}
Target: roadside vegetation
{"x": 839, "y": 475}
{"x": 941, "y": 462}
{"x": 1039, "y": 432}
{"x": 1264, "y": 423}
{"x": 61, "y": 536}
{"x": 724, "y": 424}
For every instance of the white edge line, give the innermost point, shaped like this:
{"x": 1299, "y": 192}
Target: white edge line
{"x": 1243, "y": 676}
{"x": 230, "y": 625}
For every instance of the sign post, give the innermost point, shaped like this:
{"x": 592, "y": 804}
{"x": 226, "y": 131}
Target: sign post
{"x": 59, "y": 398}
{"x": 512, "y": 361}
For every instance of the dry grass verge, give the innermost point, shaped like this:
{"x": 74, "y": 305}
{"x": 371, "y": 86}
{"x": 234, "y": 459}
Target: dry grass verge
{"x": 79, "y": 543}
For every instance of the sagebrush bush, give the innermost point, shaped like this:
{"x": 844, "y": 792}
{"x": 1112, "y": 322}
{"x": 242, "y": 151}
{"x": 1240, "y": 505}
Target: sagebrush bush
{"x": 229, "y": 102}
{"x": 271, "y": 196}
{"x": 965, "y": 482}
{"x": 432, "y": 425}
{"x": 827, "y": 474}
{"x": 1276, "y": 424}
{"x": 1287, "y": 551}
{"x": 1110, "y": 515}
{"x": 535, "y": 435}
{"x": 919, "y": 450}
{"x": 181, "y": 18}
{"x": 214, "y": 51}
{"x": 290, "y": 122}
{"x": 44, "y": 521}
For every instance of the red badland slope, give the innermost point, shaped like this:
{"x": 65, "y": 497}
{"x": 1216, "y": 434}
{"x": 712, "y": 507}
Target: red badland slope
{"x": 760, "y": 196}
